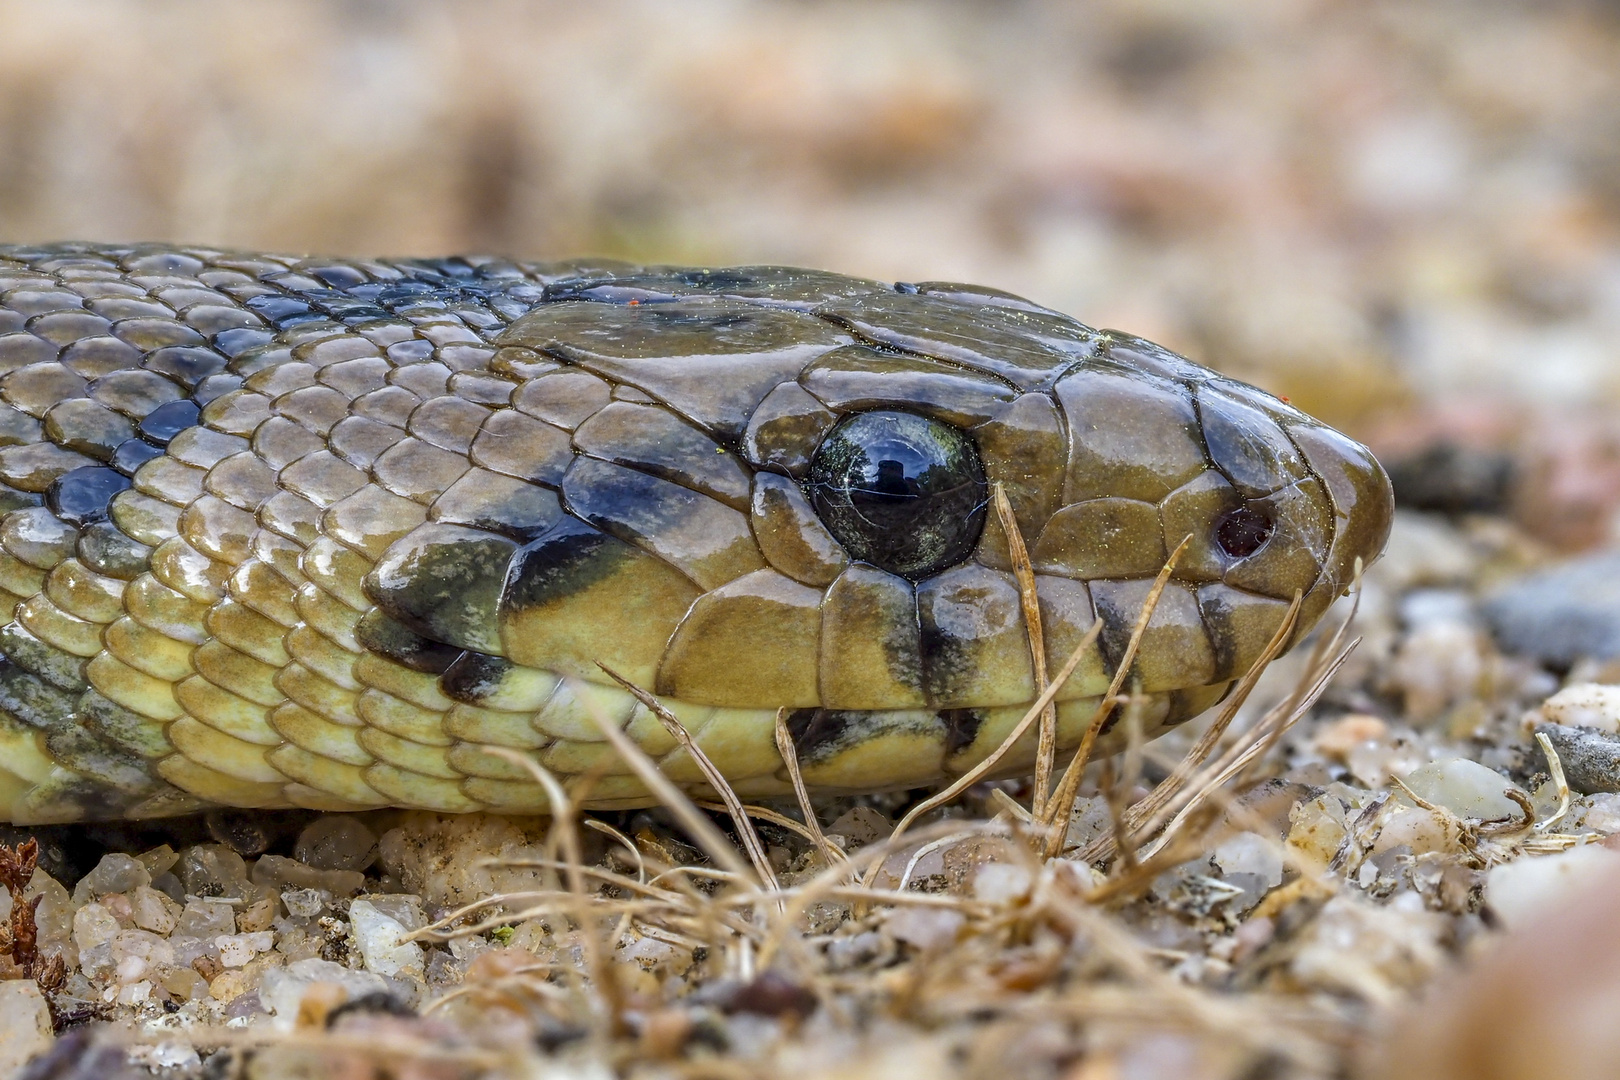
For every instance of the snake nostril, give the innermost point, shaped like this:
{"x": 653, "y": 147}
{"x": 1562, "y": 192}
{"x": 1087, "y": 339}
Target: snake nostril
{"x": 1243, "y": 532}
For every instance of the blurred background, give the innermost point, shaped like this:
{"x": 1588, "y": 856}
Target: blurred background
{"x": 1405, "y": 216}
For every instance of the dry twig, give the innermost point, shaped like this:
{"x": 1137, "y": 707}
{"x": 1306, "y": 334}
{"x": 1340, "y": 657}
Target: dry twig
{"x": 1029, "y": 600}
{"x": 21, "y": 937}
{"x": 1063, "y": 803}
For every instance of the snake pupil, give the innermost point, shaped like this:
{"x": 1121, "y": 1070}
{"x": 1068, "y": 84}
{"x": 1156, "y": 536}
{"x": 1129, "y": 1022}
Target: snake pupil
{"x": 900, "y": 491}
{"x": 1243, "y": 532}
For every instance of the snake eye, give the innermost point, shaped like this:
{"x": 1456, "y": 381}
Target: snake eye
{"x": 1243, "y": 532}
{"x": 900, "y": 491}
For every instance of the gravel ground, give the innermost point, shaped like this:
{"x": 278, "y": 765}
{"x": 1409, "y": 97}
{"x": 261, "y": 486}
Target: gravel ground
{"x": 1326, "y": 863}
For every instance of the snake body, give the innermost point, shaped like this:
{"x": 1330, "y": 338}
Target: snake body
{"x": 334, "y": 534}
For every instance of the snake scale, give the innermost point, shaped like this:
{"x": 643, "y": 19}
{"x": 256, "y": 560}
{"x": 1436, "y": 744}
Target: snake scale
{"x": 323, "y": 533}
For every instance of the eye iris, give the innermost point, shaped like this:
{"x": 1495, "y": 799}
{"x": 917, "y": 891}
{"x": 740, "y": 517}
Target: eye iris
{"x": 900, "y": 491}
{"x": 1243, "y": 532}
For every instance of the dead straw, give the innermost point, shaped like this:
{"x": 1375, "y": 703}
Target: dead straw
{"x": 1029, "y": 601}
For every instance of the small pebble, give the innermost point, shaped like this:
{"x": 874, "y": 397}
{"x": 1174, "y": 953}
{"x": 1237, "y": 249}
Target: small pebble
{"x": 651, "y": 954}
{"x": 1583, "y": 705}
{"x": 1416, "y": 829}
{"x": 1437, "y": 666}
{"x": 1522, "y": 891}
{"x": 1089, "y": 820}
{"x": 154, "y": 911}
{"x": 771, "y": 993}
{"x": 25, "y": 1024}
{"x": 1317, "y": 829}
{"x": 336, "y": 842}
{"x": 925, "y": 928}
{"x": 228, "y": 985}
{"x": 1603, "y": 813}
{"x": 93, "y": 925}
{"x": 283, "y": 990}
{"x": 1561, "y": 615}
{"x": 212, "y": 870}
{"x": 140, "y": 955}
{"x": 1338, "y": 738}
{"x": 305, "y": 903}
{"x": 861, "y": 825}
{"x": 1377, "y": 952}
{"x": 378, "y": 938}
{"x": 1466, "y": 788}
{"x": 1001, "y": 883}
{"x": 206, "y": 919}
{"x": 1590, "y": 759}
{"x": 235, "y": 950}
{"x": 115, "y": 873}
{"x": 1249, "y": 853}
{"x": 1448, "y": 477}
{"x": 276, "y": 872}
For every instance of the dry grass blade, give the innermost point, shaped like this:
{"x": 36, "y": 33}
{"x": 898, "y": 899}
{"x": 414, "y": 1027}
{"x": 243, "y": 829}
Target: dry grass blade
{"x": 831, "y": 853}
{"x": 1264, "y": 736}
{"x": 564, "y": 830}
{"x": 1148, "y": 816}
{"x": 979, "y": 771}
{"x": 832, "y": 882}
{"x": 765, "y": 814}
{"x": 1134, "y": 876}
{"x": 1114, "y": 789}
{"x": 1104, "y": 847}
{"x": 624, "y": 841}
{"x": 717, "y": 780}
{"x": 699, "y": 827}
{"x": 1012, "y": 806}
{"x": 1063, "y": 801}
{"x": 1555, "y": 766}
{"x": 1320, "y": 669}
{"x": 1029, "y": 599}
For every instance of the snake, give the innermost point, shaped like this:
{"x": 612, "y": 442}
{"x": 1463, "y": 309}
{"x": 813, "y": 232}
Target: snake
{"x": 338, "y": 534}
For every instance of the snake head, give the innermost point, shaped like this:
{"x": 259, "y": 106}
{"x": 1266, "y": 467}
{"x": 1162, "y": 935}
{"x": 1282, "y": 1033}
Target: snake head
{"x": 765, "y": 487}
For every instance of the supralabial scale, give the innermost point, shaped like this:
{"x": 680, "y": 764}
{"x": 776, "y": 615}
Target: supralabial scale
{"x": 325, "y": 533}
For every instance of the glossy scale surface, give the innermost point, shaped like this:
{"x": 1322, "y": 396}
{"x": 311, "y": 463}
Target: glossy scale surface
{"x": 326, "y": 533}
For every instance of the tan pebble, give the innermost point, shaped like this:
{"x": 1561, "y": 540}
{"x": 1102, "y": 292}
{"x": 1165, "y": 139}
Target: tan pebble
{"x": 183, "y": 983}
{"x": 1337, "y": 739}
{"x": 317, "y": 1004}
{"x": 228, "y": 985}
{"x": 256, "y": 916}
{"x": 664, "y": 1032}
{"x": 497, "y": 964}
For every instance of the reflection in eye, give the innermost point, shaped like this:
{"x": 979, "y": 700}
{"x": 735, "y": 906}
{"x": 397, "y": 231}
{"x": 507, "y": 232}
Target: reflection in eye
{"x": 892, "y": 481}
{"x": 900, "y": 491}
